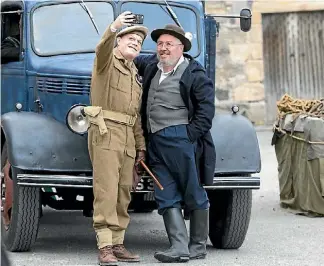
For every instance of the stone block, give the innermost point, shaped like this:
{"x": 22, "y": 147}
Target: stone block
{"x": 256, "y": 51}
{"x": 239, "y": 53}
{"x": 256, "y": 18}
{"x": 215, "y": 7}
{"x": 278, "y": 6}
{"x": 237, "y": 78}
{"x": 230, "y": 76}
{"x": 249, "y": 92}
{"x": 218, "y": 11}
{"x": 221, "y": 94}
{"x": 255, "y": 34}
{"x": 254, "y": 70}
{"x": 232, "y": 34}
{"x": 257, "y": 113}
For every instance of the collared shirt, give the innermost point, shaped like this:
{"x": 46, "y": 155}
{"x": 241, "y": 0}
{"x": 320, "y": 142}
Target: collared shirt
{"x": 166, "y": 74}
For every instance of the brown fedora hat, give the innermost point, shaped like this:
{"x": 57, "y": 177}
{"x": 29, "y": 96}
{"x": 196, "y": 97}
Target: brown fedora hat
{"x": 175, "y": 31}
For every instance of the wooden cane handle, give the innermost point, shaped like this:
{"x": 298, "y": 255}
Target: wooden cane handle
{"x": 152, "y": 175}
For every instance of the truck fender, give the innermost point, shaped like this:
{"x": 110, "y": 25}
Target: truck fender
{"x": 38, "y": 142}
{"x": 236, "y": 145}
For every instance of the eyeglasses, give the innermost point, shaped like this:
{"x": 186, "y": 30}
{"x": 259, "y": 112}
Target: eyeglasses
{"x": 168, "y": 45}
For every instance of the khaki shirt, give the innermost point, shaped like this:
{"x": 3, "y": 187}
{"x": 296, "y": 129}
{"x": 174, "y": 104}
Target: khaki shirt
{"x": 115, "y": 87}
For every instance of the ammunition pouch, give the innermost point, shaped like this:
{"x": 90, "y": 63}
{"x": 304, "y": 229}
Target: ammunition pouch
{"x": 98, "y": 116}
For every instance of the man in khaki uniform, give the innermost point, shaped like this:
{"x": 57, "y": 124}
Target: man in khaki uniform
{"x": 115, "y": 137}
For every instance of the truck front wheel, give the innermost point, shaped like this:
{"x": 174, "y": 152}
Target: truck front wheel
{"x": 229, "y": 217}
{"x": 21, "y": 233}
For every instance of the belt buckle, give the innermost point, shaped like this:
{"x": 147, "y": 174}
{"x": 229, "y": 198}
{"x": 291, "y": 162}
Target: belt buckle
{"x": 132, "y": 120}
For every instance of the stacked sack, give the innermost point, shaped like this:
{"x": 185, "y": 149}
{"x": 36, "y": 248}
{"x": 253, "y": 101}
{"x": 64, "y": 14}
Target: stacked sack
{"x": 299, "y": 145}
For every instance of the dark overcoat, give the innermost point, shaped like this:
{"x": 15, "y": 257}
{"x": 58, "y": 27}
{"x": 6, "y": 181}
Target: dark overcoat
{"x": 198, "y": 94}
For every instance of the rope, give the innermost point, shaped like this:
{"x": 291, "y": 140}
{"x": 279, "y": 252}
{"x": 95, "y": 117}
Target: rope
{"x": 288, "y": 105}
{"x": 298, "y": 138}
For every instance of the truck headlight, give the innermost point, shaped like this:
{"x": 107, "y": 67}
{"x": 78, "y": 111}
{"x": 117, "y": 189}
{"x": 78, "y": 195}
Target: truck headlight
{"x": 76, "y": 121}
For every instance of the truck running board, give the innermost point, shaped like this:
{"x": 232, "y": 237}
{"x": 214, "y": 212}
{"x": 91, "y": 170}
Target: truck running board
{"x": 38, "y": 180}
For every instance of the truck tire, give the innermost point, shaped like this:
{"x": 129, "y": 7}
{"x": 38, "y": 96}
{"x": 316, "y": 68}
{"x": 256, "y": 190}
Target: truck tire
{"x": 25, "y": 215}
{"x": 4, "y": 155}
{"x": 229, "y": 217}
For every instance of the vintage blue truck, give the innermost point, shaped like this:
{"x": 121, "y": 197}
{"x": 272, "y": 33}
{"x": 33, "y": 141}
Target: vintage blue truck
{"x": 43, "y": 89}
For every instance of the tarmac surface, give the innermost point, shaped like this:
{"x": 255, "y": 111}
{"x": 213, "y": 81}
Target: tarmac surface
{"x": 275, "y": 236}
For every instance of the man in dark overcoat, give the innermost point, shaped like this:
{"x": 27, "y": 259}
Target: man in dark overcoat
{"x": 177, "y": 112}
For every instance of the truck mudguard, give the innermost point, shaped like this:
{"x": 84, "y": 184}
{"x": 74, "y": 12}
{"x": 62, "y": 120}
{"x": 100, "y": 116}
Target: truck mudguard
{"x": 236, "y": 144}
{"x": 38, "y": 142}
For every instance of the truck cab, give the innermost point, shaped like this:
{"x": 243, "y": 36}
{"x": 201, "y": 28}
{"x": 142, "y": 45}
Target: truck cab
{"x": 44, "y": 83}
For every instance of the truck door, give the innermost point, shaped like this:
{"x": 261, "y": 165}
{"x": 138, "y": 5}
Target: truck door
{"x": 12, "y": 61}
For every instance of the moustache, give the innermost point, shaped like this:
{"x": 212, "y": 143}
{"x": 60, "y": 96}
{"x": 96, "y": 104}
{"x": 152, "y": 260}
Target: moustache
{"x": 164, "y": 52}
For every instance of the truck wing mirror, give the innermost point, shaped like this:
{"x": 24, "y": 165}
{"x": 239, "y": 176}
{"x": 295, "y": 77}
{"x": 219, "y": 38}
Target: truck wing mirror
{"x": 245, "y": 19}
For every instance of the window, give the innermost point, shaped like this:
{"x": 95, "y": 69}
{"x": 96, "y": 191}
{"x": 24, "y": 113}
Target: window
{"x": 11, "y": 37}
{"x": 67, "y": 28}
{"x": 156, "y": 16}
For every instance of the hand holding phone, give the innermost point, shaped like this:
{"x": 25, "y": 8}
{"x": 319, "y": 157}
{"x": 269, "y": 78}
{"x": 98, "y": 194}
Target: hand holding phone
{"x": 124, "y": 19}
{"x": 138, "y": 18}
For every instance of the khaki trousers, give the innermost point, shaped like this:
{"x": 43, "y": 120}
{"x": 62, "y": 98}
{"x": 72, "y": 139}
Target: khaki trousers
{"x": 112, "y": 184}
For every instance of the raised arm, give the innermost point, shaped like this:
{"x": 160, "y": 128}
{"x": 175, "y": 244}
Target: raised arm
{"x": 104, "y": 49}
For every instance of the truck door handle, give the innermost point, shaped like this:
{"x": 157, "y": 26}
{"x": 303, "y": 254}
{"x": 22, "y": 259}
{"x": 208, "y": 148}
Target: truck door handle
{"x": 39, "y": 105}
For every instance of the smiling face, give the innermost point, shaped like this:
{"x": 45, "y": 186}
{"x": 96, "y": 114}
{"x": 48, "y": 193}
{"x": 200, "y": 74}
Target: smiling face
{"x": 130, "y": 45}
{"x": 169, "y": 50}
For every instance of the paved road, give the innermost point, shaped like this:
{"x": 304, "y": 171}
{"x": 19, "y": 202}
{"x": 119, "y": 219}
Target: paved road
{"x": 275, "y": 236}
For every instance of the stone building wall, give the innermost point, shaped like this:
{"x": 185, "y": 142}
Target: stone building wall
{"x": 239, "y": 62}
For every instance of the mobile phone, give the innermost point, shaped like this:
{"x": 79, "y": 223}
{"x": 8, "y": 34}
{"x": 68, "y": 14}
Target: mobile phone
{"x": 139, "y": 18}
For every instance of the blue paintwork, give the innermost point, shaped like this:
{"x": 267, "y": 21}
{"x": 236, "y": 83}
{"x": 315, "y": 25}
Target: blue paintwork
{"x": 236, "y": 144}
{"x": 26, "y": 151}
{"x": 76, "y": 66}
{"x": 67, "y": 65}
{"x": 61, "y": 81}
{"x": 24, "y": 81}
{"x": 13, "y": 87}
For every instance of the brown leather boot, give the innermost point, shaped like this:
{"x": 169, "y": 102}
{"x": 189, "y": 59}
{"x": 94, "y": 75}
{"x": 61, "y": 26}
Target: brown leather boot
{"x": 107, "y": 257}
{"x": 122, "y": 254}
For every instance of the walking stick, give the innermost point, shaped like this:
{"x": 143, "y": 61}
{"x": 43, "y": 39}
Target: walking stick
{"x": 152, "y": 175}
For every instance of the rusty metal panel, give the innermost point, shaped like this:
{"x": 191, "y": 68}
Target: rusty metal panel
{"x": 293, "y": 49}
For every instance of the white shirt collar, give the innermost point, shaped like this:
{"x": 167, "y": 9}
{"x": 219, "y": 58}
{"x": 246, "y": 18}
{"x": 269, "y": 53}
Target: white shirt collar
{"x": 159, "y": 65}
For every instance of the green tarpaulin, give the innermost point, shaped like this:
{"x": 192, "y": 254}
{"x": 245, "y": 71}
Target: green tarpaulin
{"x": 301, "y": 164}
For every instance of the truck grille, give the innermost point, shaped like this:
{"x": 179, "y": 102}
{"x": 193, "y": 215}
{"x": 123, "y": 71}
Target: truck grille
{"x": 63, "y": 85}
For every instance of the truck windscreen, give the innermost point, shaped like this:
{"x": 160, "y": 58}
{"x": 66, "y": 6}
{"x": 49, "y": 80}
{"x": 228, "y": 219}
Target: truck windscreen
{"x": 156, "y": 16}
{"x": 67, "y": 28}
